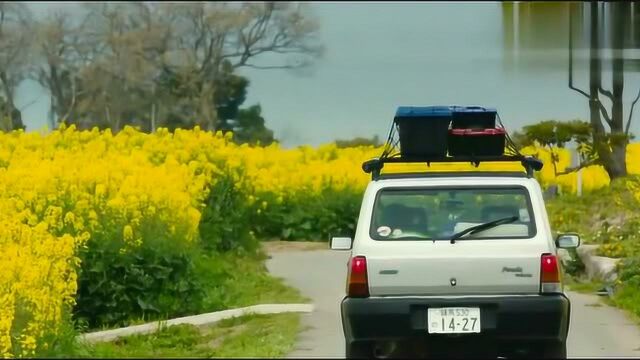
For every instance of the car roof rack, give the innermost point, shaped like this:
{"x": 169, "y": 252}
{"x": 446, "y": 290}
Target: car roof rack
{"x": 374, "y": 166}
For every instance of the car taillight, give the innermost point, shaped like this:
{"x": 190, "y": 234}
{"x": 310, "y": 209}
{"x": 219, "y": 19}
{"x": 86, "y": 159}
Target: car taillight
{"x": 357, "y": 284}
{"x": 550, "y": 274}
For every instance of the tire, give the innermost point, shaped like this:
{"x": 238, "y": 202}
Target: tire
{"x": 537, "y": 350}
{"x": 555, "y": 351}
{"x": 358, "y": 351}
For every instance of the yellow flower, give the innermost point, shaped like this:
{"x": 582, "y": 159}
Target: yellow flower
{"x": 59, "y": 190}
{"x": 127, "y": 233}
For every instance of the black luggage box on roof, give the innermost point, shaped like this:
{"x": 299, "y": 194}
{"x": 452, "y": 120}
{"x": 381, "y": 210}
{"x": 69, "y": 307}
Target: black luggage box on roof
{"x": 423, "y": 130}
{"x": 473, "y": 117}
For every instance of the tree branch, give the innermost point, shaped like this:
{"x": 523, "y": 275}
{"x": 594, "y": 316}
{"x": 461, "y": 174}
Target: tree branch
{"x": 581, "y": 166}
{"x": 29, "y": 104}
{"x": 206, "y": 62}
{"x": 198, "y": 22}
{"x": 269, "y": 67}
{"x": 604, "y": 113}
{"x": 571, "y": 59}
{"x": 606, "y": 93}
{"x": 573, "y": 87}
{"x": 633, "y": 104}
{"x": 256, "y": 32}
{"x": 73, "y": 100}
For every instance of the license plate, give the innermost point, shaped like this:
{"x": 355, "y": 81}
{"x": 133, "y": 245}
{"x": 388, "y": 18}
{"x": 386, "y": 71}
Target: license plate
{"x": 453, "y": 320}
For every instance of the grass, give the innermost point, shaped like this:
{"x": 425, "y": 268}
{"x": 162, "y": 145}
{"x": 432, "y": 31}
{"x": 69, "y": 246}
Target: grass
{"x": 247, "y": 282}
{"x": 584, "y": 287}
{"x": 281, "y": 245}
{"x": 628, "y": 298}
{"x": 229, "y": 281}
{"x": 247, "y": 336}
{"x": 609, "y": 217}
{"x": 232, "y": 281}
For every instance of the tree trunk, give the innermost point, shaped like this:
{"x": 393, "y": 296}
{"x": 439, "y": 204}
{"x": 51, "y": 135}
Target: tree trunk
{"x": 153, "y": 109}
{"x": 107, "y": 114}
{"x": 153, "y": 117}
{"x": 15, "y": 116}
{"x": 554, "y": 160}
{"x": 208, "y": 114}
{"x": 609, "y": 155}
{"x": 57, "y": 101}
{"x": 51, "y": 116}
{"x": 599, "y": 138}
{"x": 617, "y": 168}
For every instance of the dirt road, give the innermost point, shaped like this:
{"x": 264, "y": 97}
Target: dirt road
{"x": 596, "y": 330}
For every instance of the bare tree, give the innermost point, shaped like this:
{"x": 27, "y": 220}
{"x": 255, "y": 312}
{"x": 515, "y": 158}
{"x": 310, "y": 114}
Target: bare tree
{"x": 15, "y": 41}
{"x": 125, "y": 62}
{"x": 206, "y": 35}
{"x": 610, "y": 144}
{"x": 604, "y": 30}
{"x": 138, "y": 63}
{"x": 58, "y": 49}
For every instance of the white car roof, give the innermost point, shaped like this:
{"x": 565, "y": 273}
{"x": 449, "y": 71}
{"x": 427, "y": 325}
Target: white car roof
{"x": 447, "y": 179}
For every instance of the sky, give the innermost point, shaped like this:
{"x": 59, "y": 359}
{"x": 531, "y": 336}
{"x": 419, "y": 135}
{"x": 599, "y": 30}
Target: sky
{"x": 383, "y": 55}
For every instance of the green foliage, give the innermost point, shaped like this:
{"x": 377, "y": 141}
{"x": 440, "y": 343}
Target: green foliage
{"x": 154, "y": 280}
{"x": 62, "y": 343}
{"x": 114, "y": 287}
{"x": 231, "y": 93}
{"x": 556, "y": 134}
{"x": 600, "y": 216}
{"x": 308, "y": 216}
{"x": 608, "y": 217}
{"x": 232, "y": 281}
{"x": 226, "y": 220}
{"x": 627, "y": 294}
{"x": 621, "y": 240}
{"x": 198, "y": 283}
{"x": 359, "y": 141}
{"x": 575, "y": 266}
{"x": 249, "y": 127}
{"x": 247, "y": 124}
{"x": 629, "y": 271}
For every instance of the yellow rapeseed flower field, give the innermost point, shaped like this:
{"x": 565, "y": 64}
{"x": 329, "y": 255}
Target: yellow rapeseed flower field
{"x": 57, "y": 191}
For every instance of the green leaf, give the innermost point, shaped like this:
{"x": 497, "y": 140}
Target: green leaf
{"x": 146, "y": 306}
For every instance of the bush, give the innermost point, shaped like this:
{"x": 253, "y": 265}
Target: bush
{"x": 226, "y": 219}
{"x": 308, "y": 216}
{"x": 627, "y": 294}
{"x": 575, "y": 266}
{"x": 114, "y": 288}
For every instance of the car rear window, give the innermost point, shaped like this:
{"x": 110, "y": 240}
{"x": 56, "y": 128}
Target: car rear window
{"x": 438, "y": 213}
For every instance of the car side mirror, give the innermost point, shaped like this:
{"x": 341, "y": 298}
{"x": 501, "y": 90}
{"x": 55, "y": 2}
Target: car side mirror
{"x": 340, "y": 243}
{"x": 568, "y": 241}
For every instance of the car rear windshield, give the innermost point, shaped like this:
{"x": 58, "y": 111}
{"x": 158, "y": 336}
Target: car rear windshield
{"x": 438, "y": 213}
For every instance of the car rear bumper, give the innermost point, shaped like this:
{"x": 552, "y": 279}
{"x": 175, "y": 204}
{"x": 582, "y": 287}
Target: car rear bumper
{"x": 536, "y": 318}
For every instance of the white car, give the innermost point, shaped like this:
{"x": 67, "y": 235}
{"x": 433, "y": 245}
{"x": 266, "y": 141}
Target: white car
{"x": 455, "y": 263}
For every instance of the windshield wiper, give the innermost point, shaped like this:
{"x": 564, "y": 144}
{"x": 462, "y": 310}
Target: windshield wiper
{"x": 481, "y": 227}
